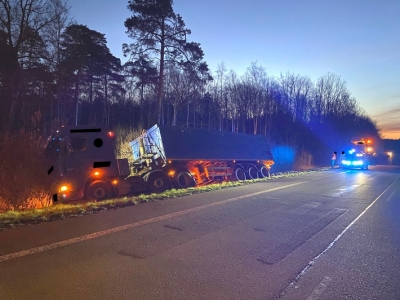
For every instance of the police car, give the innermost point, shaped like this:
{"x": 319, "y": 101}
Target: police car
{"x": 351, "y": 159}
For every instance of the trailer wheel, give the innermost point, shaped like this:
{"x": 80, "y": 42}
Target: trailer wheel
{"x": 158, "y": 182}
{"x": 184, "y": 180}
{"x": 99, "y": 190}
{"x": 239, "y": 174}
{"x": 253, "y": 172}
{"x": 264, "y": 172}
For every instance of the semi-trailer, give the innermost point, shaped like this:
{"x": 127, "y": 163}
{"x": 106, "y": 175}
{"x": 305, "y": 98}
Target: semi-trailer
{"x": 83, "y": 162}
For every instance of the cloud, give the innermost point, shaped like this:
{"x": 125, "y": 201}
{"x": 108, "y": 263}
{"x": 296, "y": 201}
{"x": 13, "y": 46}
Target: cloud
{"x": 392, "y": 135}
{"x": 393, "y": 114}
{"x": 389, "y": 123}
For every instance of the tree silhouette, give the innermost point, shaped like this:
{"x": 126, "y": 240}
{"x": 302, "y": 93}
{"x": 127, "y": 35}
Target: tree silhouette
{"x": 146, "y": 74}
{"x": 161, "y": 34}
{"x": 86, "y": 58}
{"x": 23, "y": 24}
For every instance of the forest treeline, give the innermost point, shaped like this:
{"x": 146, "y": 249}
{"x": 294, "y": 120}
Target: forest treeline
{"x": 54, "y": 72}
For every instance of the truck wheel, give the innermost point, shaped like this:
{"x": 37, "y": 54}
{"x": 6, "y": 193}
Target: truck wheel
{"x": 252, "y": 171}
{"x": 239, "y": 174}
{"x": 99, "y": 190}
{"x": 264, "y": 172}
{"x": 158, "y": 182}
{"x": 184, "y": 180}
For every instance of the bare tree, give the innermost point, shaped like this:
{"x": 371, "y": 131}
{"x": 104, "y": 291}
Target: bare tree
{"x": 160, "y": 33}
{"x": 233, "y": 98}
{"x": 331, "y": 97}
{"x": 257, "y": 77}
{"x": 296, "y": 93}
{"x": 22, "y": 26}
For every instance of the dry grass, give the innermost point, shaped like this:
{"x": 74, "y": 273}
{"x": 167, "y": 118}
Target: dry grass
{"x": 123, "y": 137}
{"x": 23, "y": 173}
{"x": 11, "y": 219}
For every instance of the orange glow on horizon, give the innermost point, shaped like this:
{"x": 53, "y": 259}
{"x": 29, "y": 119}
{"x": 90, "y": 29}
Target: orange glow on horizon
{"x": 391, "y": 135}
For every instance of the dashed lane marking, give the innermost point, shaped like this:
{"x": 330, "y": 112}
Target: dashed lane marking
{"x": 319, "y": 290}
{"x": 133, "y": 225}
{"x": 313, "y": 261}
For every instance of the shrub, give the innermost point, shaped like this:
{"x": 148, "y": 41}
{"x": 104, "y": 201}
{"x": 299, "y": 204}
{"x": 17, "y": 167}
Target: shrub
{"x": 303, "y": 161}
{"x": 123, "y": 137}
{"x": 23, "y": 173}
{"x": 284, "y": 158}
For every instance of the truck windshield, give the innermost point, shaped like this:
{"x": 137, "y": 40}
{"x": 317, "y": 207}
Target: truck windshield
{"x": 58, "y": 146}
{"x": 53, "y": 148}
{"x": 78, "y": 143}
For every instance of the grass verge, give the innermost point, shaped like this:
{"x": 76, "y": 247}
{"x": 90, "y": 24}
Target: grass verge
{"x": 12, "y": 219}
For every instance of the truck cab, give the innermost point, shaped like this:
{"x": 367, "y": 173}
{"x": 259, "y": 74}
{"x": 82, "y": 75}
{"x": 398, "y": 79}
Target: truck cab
{"x": 82, "y": 163}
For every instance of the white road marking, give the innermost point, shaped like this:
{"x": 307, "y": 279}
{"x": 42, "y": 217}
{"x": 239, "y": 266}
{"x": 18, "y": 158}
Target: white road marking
{"x": 304, "y": 208}
{"x": 319, "y": 290}
{"x": 132, "y": 225}
{"x": 391, "y": 196}
{"x": 343, "y": 190}
{"x": 313, "y": 261}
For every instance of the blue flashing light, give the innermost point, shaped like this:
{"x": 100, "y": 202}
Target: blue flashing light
{"x": 358, "y": 163}
{"x": 352, "y": 163}
{"x": 352, "y": 151}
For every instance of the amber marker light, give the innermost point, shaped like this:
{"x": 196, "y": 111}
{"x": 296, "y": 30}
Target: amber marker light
{"x": 171, "y": 173}
{"x": 115, "y": 182}
{"x": 97, "y": 173}
{"x": 63, "y": 188}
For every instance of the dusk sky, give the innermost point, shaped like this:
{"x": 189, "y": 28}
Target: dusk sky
{"x": 358, "y": 40}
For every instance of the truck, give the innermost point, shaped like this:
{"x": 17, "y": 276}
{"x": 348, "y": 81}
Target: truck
{"x": 83, "y": 163}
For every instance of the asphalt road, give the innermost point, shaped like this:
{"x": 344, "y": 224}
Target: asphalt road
{"x": 326, "y": 235}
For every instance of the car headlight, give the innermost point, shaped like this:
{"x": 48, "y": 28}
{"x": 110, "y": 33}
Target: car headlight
{"x": 358, "y": 163}
{"x": 63, "y": 188}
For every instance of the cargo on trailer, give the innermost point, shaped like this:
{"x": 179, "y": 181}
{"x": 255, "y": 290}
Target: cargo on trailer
{"x": 164, "y": 157}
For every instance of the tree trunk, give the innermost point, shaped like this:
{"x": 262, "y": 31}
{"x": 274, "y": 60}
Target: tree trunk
{"x": 105, "y": 119}
{"x": 14, "y": 89}
{"x": 255, "y": 125}
{"x": 187, "y": 114}
{"x": 174, "y": 115}
{"x": 161, "y": 82}
{"x": 141, "y": 104}
{"x": 77, "y": 83}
